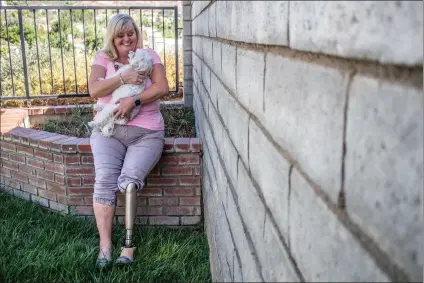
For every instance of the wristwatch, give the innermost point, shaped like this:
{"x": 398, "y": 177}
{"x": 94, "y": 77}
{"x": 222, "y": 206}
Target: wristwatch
{"x": 137, "y": 100}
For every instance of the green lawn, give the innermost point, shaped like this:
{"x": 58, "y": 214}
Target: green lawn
{"x": 41, "y": 246}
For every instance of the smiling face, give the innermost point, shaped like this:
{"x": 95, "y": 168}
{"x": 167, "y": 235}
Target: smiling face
{"x": 125, "y": 40}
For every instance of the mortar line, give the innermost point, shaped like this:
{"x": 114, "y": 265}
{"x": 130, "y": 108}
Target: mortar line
{"x": 288, "y": 206}
{"x": 341, "y": 201}
{"x": 401, "y": 74}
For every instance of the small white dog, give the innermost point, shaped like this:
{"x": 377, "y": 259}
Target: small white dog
{"x": 104, "y": 119}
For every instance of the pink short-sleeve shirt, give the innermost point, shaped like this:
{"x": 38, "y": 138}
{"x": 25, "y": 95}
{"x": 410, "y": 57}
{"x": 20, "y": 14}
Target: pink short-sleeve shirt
{"x": 149, "y": 116}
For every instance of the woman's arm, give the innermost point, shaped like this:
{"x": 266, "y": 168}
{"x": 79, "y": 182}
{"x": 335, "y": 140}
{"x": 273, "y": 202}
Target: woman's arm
{"x": 158, "y": 89}
{"x": 101, "y": 88}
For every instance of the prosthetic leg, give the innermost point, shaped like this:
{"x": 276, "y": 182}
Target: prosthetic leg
{"x": 128, "y": 250}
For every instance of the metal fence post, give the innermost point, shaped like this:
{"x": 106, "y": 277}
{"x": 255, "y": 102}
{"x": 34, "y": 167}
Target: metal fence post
{"x": 24, "y": 61}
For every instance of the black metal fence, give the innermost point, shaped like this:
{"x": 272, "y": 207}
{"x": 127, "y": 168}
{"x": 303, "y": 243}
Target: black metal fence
{"x": 46, "y": 51}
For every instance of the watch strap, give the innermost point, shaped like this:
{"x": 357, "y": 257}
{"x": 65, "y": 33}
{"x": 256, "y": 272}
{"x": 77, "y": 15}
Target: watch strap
{"x": 137, "y": 100}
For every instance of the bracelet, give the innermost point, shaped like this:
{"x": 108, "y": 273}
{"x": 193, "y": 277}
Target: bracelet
{"x": 122, "y": 80}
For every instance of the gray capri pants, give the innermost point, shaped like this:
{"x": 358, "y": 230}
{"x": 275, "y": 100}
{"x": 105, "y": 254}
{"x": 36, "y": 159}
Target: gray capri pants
{"x": 126, "y": 157}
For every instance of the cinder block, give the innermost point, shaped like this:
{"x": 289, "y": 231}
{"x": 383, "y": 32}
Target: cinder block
{"x": 271, "y": 171}
{"x": 250, "y": 73}
{"x": 223, "y": 19}
{"x": 197, "y": 46}
{"x": 304, "y": 108}
{"x": 187, "y": 43}
{"x": 216, "y": 60}
{"x": 186, "y": 13}
{"x": 236, "y": 120}
{"x": 188, "y": 72}
{"x": 384, "y": 168}
{"x": 269, "y": 25}
{"x": 228, "y": 74}
{"x": 187, "y": 58}
{"x": 206, "y": 77}
{"x": 249, "y": 271}
{"x": 187, "y": 28}
{"x": 229, "y": 155}
{"x": 322, "y": 247}
{"x": 207, "y": 51}
{"x": 386, "y": 31}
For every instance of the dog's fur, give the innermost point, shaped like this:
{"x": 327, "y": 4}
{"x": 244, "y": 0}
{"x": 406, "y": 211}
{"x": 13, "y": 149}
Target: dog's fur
{"x": 104, "y": 119}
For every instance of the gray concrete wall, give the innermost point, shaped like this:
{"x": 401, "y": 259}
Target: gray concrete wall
{"x": 311, "y": 119}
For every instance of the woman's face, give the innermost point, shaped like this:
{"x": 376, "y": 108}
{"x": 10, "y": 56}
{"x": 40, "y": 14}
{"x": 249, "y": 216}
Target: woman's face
{"x": 126, "y": 40}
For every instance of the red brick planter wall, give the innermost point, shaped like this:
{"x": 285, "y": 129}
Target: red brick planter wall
{"x": 57, "y": 172}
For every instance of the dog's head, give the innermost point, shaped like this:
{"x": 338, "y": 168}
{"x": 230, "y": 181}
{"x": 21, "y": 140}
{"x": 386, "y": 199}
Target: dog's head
{"x": 141, "y": 60}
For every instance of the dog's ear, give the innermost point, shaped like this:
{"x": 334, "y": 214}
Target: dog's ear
{"x": 131, "y": 55}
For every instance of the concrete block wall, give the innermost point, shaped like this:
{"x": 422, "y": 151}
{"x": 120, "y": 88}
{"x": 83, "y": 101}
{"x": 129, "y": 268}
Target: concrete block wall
{"x": 311, "y": 121}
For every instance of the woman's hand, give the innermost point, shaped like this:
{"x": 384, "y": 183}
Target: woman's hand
{"x": 125, "y": 107}
{"x": 133, "y": 77}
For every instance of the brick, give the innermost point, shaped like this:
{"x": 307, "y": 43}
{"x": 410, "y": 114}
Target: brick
{"x": 10, "y": 165}
{"x": 188, "y": 159}
{"x": 152, "y": 210}
{"x": 71, "y": 159}
{"x": 34, "y": 140}
{"x": 309, "y": 235}
{"x": 53, "y": 167}
{"x": 189, "y": 200}
{"x": 169, "y": 160}
{"x": 151, "y": 192}
{"x": 57, "y": 158}
{"x": 388, "y": 32}
{"x": 47, "y": 194}
{"x": 178, "y": 191}
{"x": 59, "y": 179}
{"x": 318, "y": 146}
{"x": 163, "y": 201}
{"x": 155, "y": 171}
{"x": 20, "y": 158}
{"x": 87, "y": 159}
{"x": 88, "y": 200}
{"x": 39, "y": 183}
{"x": 74, "y": 200}
{"x": 62, "y": 110}
{"x": 182, "y": 144}
{"x": 4, "y": 155}
{"x": 39, "y": 200}
{"x": 27, "y": 169}
{"x": 49, "y": 176}
{"x": 190, "y": 220}
{"x": 29, "y": 188}
{"x": 197, "y": 171}
{"x": 79, "y": 171}
{"x": 11, "y": 183}
{"x": 271, "y": 171}
{"x": 56, "y": 188}
{"x": 197, "y": 191}
{"x": 176, "y": 171}
{"x": 25, "y": 150}
{"x": 80, "y": 191}
{"x": 51, "y": 141}
{"x": 384, "y": 152}
{"x": 63, "y": 199}
{"x": 190, "y": 181}
{"x": 88, "y": 180}
{"x": 163, "y": 220}
{"x": 82, "y": 210}
{"x": 43, "y": 154}
{"x": 70, "y": 145}
{"x": 19, "y": 176}
{"x": 58, "y": 206}
{"x": 178, "y": 210}
{"x": 4, "y": 172}
{"x": 7, "y": 146}
{"x": 35, "y": 163}
{"x": 22, "y": 194}
{"x": 161, "y": 182}
{"x": 84, "y": 146}
{"x": 169, "y": 145}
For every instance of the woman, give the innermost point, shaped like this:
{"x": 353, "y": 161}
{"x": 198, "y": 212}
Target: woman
{"x": 128, "y": 156}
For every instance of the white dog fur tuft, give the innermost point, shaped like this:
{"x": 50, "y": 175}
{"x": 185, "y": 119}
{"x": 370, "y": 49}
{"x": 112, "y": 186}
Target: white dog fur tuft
{"x": 104, "y": 119}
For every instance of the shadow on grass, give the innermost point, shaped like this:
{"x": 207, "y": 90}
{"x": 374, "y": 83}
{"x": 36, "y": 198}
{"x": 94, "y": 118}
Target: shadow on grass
{"x": 42, "y": 246}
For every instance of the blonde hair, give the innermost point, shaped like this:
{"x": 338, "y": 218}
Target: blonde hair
{"x": 116, "y": 25}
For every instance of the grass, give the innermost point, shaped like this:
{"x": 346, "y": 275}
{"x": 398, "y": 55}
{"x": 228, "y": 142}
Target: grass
{"x": 179, "y": 122}
{"x": 37, "y": 245}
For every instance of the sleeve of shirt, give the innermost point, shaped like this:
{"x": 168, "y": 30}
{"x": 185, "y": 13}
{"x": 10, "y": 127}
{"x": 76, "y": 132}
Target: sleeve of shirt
{"x": 155, "y": 56}
{"x": 101, "y": 59}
